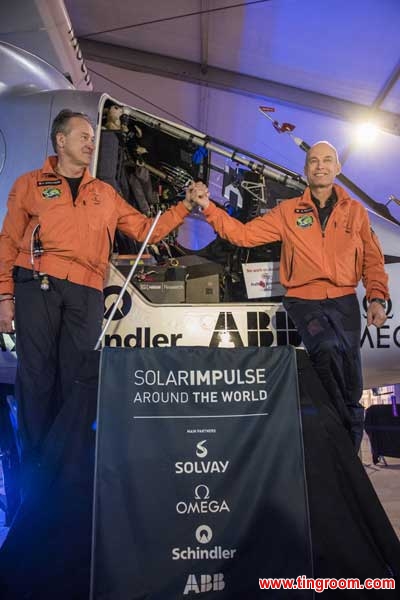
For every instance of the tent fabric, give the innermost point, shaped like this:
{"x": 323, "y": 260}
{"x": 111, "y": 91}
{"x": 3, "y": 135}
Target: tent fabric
{"x": 324, "y": 53}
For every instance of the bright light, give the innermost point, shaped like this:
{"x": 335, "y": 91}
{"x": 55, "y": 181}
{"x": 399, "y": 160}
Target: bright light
{"x": 366, "y": 133}
{"x": 225, "y": 340}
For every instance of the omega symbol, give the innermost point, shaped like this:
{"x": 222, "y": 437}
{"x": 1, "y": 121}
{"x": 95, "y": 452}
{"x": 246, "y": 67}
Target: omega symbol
{"x": 202, "y": 492}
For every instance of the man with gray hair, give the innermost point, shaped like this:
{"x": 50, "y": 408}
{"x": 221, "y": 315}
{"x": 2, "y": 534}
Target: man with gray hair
{"x": 55, "y": 245}
{"x": 328, "y": 246}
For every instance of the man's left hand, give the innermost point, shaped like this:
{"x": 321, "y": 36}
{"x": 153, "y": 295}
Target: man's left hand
{"x": 376, "y": 314}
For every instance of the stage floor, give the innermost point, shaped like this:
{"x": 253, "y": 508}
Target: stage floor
{"x": 386, "y": 481}
{"x": 3, "y": 529}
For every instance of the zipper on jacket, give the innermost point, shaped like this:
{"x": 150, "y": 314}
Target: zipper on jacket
{"x": 323, "y": 230}
{"x": 356, "y": 262}
{"x": 80, "y": 188}
{"x": 323, "y": 224}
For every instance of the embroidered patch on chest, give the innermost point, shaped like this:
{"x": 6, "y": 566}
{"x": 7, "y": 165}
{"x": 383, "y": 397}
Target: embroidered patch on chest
{"x": 303, "y": 210}
{"x": 305, "y": 221}
{"x": 47, "y": 183}
{"x": 51, "y": 193}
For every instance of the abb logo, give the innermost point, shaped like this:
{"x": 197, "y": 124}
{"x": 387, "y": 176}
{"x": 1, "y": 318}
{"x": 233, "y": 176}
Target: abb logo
{"x": 200, "y": 584}
{"x": 262, "y": 330}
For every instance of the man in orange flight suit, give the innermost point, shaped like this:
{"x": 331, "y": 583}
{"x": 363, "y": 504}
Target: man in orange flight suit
{"x": 327, "y": 247}
{"x": 58, "y": 234}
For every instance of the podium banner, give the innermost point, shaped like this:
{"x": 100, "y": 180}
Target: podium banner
{"x": 200, "y": 487}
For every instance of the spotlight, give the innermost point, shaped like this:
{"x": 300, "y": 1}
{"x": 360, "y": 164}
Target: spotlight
{"x": 366, "y": 133}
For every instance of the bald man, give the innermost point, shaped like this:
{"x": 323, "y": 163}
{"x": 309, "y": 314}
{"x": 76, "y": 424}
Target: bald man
{"x": 328, "y": 246}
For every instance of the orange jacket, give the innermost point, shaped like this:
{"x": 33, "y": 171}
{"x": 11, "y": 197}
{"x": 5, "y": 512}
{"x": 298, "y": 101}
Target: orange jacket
{"x": 314, "y": 264}
{"x": 76, "y": 238}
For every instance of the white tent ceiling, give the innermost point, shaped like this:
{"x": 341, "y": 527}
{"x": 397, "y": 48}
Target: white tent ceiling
{"x": 323, "y": 66}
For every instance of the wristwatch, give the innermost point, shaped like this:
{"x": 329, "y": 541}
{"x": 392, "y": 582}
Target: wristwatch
{"x": 381, "y": 301}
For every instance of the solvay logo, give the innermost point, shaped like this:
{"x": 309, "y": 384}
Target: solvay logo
{"x": 200, "y": 584}
{"x": 199, "y": 466}
{"x": 201, "y": 451}
{"x": 111, "y": 294}
{"x": 204, "y": 534}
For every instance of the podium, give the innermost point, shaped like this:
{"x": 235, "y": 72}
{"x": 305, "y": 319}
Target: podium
{"x": 47, "y": 552}
{"x": 200, "y": 485}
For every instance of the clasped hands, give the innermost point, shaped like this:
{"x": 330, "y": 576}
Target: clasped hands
{"x": 197, "y": 194}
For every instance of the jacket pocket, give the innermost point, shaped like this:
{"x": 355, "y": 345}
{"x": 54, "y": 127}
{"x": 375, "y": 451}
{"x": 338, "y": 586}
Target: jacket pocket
{"x": 288, "y": 261}
{"x": 347, "y": 263}
{"x": 22, "y": 275}
{"x": 58, "y": 229}
{"x": 97, "y": 248}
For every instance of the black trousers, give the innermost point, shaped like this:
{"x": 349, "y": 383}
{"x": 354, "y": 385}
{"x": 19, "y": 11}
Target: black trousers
{"x": 53, "y": 328}
{"x": 331, "y": 330}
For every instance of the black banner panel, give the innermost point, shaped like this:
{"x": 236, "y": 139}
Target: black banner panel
{"x": 200, "y": 487}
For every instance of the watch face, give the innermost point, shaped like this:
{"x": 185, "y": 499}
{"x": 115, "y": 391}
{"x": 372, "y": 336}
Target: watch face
{"x": 380, "y": 301}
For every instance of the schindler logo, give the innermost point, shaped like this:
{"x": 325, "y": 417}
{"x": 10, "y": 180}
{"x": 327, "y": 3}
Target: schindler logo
{"x": 141, "y": 337}
{"x": 200, "y": 584}
{"x": 203, "y": 535}
{"x": 111, "y": 294}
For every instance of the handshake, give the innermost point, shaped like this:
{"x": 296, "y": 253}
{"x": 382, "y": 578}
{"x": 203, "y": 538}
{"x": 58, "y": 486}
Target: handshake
{"x": 197, "y": 194}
